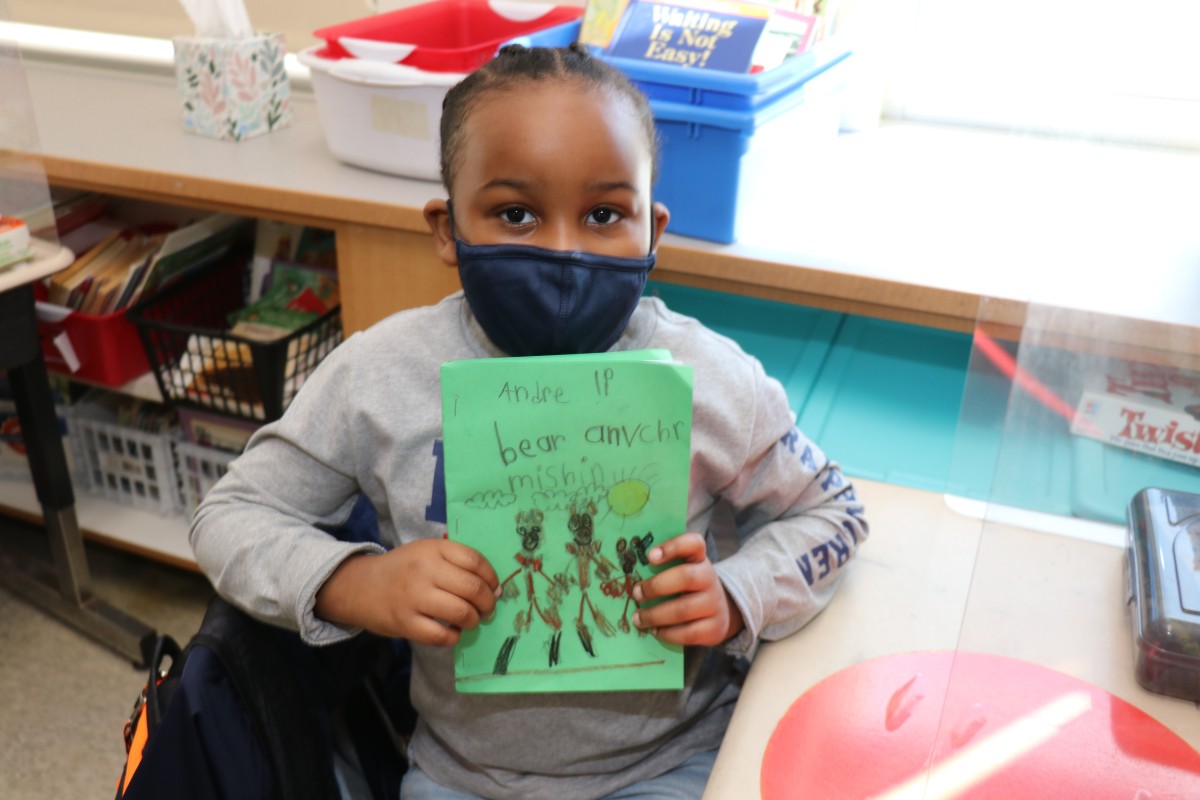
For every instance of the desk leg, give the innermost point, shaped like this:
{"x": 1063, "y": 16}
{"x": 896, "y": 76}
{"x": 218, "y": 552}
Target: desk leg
{"x": 64, "y": 591}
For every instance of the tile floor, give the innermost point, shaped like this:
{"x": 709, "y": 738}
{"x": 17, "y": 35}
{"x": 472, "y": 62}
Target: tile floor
{"x": 64, "y": 697}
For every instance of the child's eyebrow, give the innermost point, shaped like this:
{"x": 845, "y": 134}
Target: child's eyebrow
{"x": 507, "y": 183}
{"x": 608, "y": 186}
{"x": 523, "y": 185}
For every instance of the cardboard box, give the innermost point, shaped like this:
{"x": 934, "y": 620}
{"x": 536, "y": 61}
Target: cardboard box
{"x": 1147, "y": 408}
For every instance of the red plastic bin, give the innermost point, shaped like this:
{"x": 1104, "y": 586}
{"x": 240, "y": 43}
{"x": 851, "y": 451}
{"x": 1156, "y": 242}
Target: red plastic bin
{"x": 106, "y": 346}
{"x": 443, "y": 35}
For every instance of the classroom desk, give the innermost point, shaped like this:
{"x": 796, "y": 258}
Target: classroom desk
{"x": 929, "y": 579}
{"x": 63, "y": 588}
{"x": 906, "y": 223}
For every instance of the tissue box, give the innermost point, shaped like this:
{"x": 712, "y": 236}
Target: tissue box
{"x": 233, "y": 88}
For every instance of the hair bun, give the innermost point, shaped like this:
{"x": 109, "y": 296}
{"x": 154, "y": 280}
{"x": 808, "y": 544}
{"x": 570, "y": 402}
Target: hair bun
{"x": 511, "y": 50}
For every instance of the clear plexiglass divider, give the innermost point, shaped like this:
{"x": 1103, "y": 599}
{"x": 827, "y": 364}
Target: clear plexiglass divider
{"x": 1077, "y": 667}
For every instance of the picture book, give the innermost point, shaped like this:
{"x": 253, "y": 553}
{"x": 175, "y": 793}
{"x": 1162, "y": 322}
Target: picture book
{"x": 80, "y": 208}
{"x": 1147, "y": 408}
{"x": 563, "y": 471}
{"x": 273, "y": 241}
{"x": 69, "y": 287}
{"x": 189, "y": 248}
{"x": 788, "y": 33}
{"x": 700, "y": 34}
{"x": 125, "y": 264}
{"x": 600, "y": 18}
{"x": 295, "y": 295}
{"x": 112, "y": 283}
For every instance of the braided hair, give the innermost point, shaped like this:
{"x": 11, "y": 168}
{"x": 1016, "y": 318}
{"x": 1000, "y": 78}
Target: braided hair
{"x": 515, "y": 65}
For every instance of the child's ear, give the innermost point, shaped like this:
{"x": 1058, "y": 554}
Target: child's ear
{"x": 661, "y": 217}
{"x": 437, "y": 216}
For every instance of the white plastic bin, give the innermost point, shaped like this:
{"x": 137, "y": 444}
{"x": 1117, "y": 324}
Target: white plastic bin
{"x": 117, "y": 462}
{"x": 380, "y": 115}
{"x": 200, "y": 468}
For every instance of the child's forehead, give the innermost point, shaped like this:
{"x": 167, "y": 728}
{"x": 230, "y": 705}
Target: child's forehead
{"x": 565, "y": 124}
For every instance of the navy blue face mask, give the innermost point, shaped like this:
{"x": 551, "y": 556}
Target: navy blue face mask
{"x": 531, "y": 301}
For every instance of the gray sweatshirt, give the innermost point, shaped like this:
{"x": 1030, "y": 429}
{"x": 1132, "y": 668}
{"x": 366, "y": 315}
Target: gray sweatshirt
{"x": 369, "y": 421}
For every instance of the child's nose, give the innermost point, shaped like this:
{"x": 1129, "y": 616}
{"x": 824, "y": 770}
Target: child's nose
{"x": 561, "y": 235}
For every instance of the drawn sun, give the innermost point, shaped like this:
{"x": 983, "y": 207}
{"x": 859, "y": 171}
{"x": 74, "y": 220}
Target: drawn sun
{"x": 629, "y": 495}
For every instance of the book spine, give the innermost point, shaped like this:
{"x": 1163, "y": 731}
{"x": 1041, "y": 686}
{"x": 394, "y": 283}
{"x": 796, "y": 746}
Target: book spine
{"x": 1141, "y": 428}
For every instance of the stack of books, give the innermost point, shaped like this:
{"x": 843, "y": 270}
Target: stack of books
{"x": 127, "y": 265}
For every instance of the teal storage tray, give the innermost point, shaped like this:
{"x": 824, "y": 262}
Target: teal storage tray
{"x": 1105, "y": 478}
{"x": 886, "y": 404}
{"x": 1009, "y": 448}
{"x": 791, "y": 341}
{"x": 891, "y": 402}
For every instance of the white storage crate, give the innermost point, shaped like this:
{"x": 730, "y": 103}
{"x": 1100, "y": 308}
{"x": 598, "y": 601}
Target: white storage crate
{"x": 200, "y": 467}
{"x": 13, "y": 463}
{"x": 122, "y": 464}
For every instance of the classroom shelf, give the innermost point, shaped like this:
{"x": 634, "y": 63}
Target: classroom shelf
{"x": 143, "y": 387}
{"x": 161, "y": 537}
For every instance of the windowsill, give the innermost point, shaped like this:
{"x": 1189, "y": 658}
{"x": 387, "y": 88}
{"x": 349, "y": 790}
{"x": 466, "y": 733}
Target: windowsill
{"x": 1062, "y": 222}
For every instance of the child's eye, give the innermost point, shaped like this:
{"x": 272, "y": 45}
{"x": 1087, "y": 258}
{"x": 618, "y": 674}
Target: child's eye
{"x": 516, "y": 216}
{"x": 603, "y": 216}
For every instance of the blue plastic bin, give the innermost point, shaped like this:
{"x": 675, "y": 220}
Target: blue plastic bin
{"x": 727, "y": 90}
{"x": 713, "y": 159}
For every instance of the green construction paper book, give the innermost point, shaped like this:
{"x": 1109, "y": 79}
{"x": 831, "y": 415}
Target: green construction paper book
{"x": 564, "y": 471}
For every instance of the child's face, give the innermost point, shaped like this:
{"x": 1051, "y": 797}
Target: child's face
{"x": 555, "y": 164}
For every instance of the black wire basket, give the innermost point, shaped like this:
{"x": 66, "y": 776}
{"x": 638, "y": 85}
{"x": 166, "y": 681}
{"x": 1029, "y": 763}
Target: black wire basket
{"x": 197, "y": 362}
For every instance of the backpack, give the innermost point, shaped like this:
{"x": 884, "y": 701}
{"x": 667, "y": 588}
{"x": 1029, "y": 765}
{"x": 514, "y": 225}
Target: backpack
{"x": 247, "y": 710}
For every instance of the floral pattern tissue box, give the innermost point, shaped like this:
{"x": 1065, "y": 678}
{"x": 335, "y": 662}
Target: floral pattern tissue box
{"x": 233, "y": 88}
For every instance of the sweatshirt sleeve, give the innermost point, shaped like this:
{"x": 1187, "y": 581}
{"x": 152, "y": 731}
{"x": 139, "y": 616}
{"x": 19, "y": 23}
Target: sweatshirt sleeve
{"x": 256, "y": 534}
{"x": 798, "y": 519}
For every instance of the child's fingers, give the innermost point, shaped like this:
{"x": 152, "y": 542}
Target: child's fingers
{"x": 467, "y": 586}
{"x": 426, "y": 630}
{"x": 685, "y": 547}
{"x": 703, "y": 632}
{"x": 687, "y": 607}
{"x": 450, "y": 608}
{"x": 675, "y": 580}
{"x": 470, "y": 559}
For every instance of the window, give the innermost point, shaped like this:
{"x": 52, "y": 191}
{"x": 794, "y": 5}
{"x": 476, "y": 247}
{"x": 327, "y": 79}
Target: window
{"x": 1098, "y": 69}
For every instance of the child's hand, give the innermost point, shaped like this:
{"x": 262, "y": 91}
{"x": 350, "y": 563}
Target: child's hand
{"x": 427, "y": 591}
{"x": 703, "y": 612}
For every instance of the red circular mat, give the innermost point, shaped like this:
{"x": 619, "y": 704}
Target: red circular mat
{"x": 966, "y": 725}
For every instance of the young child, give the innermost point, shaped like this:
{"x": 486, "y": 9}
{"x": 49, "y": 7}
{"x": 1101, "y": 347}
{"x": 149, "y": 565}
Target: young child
{"x": 548, "y": 158}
